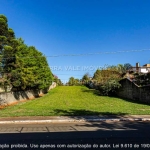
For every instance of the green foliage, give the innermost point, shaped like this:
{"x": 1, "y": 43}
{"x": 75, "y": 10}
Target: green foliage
{"x": 58, "y": 81}
{"x": 73, "y": 81}
{"x": 101, "y": 76}
{"x": 32, "y": 68}
{"x": 23, "y": 66}
{"x": 142, "y": 79}
{"x": 109, "y": 87}
{"x": 127, "y": 66}
{"x": 77, "y": 82}
{"x": 122, "y": 69}
{"x": 107, "y": 81}
{"x": 3, "y": 31}
{"x": 85, "y": 79}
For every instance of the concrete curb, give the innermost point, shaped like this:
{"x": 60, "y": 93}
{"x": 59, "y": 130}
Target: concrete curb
{"x": 72, "y": 120}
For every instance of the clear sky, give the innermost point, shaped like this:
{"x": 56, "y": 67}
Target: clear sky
{"x": 57, "y": 27}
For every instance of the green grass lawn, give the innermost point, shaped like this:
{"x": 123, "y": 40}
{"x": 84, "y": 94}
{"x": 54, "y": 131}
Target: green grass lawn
{"x": 74, "y": 100}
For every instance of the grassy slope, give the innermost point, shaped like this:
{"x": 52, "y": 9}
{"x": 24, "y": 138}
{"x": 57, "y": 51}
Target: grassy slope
{"x": 74, "y": 100}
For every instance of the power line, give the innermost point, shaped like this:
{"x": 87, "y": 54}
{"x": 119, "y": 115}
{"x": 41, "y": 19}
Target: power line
{"x": 86, "y": 54}
{"x": 53, "y": 73}
{"x": 67, "y": 74}
{"x": 98, "y": 53}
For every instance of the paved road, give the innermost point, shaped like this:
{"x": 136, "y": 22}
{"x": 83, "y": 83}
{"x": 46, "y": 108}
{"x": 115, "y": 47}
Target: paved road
{"x": 110, "y": 135}
{"x": 74, "y": 127}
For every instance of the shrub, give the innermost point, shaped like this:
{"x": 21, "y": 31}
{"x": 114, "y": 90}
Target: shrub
{"x": 109, "y": 87}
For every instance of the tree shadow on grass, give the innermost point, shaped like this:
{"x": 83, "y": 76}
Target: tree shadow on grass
{"x": 82, "y": 113}
{"x": 131, "y": 101}
{"x": 93, "y": 91}
{"x": 98, "y": 93}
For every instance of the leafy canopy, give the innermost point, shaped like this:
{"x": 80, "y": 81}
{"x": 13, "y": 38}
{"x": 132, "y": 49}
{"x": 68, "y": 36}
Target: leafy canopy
{"x": 22, "y": 67}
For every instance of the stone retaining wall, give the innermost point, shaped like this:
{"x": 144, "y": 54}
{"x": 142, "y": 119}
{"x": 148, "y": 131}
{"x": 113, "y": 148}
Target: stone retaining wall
{"x": 7, "y": 98}
{"x": 131, "y": 91}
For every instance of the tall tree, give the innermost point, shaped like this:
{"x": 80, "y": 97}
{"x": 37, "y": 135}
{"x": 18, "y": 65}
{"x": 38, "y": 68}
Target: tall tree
{"x": 3, "y": 31}
{"x": 85, "y": 78}
{"x": 22, "y": 67}
{"x": 127, "y": 66}
{"x": 71, "y": 81}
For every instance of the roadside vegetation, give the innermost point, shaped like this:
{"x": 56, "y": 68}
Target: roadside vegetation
{"x": 75, "y": 100}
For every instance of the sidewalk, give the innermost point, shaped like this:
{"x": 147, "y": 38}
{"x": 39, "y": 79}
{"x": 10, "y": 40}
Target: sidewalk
{"x": 69, "y": 119}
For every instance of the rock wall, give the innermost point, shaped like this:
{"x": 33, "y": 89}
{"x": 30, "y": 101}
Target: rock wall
{"x": 7, "y": 98}
{"x": 131, "y": 91}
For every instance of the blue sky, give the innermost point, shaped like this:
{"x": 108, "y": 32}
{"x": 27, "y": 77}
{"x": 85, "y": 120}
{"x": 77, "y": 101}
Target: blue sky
{"x": 58, "y": 27}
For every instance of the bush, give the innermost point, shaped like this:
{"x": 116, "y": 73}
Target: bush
{"x": 109, "y": 87}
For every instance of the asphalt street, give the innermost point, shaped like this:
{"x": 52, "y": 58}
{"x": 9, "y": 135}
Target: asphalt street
{"x": 87, "y": 135}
